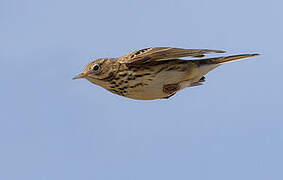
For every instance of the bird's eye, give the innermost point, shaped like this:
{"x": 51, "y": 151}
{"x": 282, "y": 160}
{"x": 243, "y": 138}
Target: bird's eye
{"x": 96, "y": 67}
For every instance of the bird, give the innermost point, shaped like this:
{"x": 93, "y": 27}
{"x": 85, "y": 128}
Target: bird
{"x": 154, "y": 73}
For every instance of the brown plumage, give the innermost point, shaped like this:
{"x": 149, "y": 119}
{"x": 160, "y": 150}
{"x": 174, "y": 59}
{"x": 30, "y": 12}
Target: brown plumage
{"x": 153, "y": 73}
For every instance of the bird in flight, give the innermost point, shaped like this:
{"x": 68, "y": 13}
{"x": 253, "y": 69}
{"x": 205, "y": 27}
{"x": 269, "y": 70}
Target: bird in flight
{"x": 154, "y": 73}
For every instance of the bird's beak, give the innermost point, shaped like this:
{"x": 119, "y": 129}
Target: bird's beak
{"x": 82, "y": 75}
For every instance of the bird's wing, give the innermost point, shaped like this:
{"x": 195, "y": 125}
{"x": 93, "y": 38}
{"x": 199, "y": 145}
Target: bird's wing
{"x": 162, "y": 53}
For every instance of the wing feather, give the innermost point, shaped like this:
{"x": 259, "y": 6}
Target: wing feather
{"x": 162, "y": 53}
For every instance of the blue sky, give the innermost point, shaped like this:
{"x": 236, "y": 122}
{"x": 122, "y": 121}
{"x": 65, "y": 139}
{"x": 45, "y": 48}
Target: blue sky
{"x": 54, "y": 128}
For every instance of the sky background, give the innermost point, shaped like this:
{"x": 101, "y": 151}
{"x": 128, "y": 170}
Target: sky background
{"x": 54, "y": 128}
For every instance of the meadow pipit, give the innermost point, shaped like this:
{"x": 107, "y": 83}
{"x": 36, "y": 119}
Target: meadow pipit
{"x": 153, "y": 73}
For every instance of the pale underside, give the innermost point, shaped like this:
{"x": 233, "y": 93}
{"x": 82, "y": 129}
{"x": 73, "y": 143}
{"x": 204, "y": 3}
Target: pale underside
{"x": 162, "y": 81}
{"x": 174, "y": 80}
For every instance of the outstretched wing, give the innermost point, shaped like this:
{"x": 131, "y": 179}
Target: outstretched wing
{"x": 162, "y": 53}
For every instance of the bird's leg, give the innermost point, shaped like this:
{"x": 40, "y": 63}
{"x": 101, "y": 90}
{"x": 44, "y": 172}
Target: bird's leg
{"x": 170, "y": 89}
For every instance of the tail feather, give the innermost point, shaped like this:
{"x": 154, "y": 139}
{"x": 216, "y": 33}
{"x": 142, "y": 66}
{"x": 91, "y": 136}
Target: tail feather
{"x": 222, "y": 60}
{"x": 206, "y": 65}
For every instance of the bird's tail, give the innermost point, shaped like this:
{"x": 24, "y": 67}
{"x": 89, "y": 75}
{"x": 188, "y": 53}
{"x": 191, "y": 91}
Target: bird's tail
{"x": 222, "y": 60}
{"x": 206, "y": 65}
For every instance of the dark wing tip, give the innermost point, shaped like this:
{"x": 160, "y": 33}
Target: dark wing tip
{"x": 256, "y": 54}
{"x": 252, "y": 55}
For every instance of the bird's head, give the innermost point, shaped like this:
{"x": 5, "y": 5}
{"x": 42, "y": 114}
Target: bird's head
{"x": 99, "y": 69}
